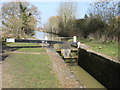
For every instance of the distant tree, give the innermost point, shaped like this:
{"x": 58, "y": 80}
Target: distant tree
{"x": 108, "y": 12}
{"x": 95, "y": 25}
{"x": 54, "y": 23}
{"x": 85, "y": 16}
{"x": 67, "y": 12}
{"x": 113, "y": 28}
{"x": 104, "y": 9}
{"x": 79, "y": 27}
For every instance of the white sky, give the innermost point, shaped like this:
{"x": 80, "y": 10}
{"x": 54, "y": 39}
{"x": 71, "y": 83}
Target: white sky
{"x": 50, "y": 0}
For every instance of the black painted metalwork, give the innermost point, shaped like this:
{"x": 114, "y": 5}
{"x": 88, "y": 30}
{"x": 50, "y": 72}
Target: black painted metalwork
{"x": 39, "y": 41}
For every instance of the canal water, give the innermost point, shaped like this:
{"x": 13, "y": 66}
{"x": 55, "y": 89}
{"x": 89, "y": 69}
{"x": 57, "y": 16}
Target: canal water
{"x": 84, "y": 77}
{"x": 42, "y": 35}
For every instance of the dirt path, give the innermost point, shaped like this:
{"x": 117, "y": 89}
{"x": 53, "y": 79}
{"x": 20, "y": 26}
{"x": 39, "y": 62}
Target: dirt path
{"x": 65, "y": 76}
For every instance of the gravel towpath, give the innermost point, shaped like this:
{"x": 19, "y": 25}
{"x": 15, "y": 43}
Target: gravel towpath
{"x": 65, "y": 76}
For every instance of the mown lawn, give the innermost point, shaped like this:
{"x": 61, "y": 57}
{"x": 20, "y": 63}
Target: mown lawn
{"x": 22, "y": 44}
{"x": 31, "y": 50}
{"x": 27, "y": 47}
{"x": 29, "y": 70}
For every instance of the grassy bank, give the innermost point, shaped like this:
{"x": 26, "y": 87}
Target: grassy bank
{"x": 28, "y": 70}
{"x": 110, "y": 49}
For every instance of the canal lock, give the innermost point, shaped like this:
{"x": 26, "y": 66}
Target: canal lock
{"x": 80, "y": 73}
{"x": 68, "y": 53}
{"x": 93, "y": 70}
{"x": 70, "y": 56}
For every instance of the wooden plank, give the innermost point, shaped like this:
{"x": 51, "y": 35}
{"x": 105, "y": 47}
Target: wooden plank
{"x": 72, "y": 50}
{"x": 70, "y": 57}
{"x": 58, "y": 50}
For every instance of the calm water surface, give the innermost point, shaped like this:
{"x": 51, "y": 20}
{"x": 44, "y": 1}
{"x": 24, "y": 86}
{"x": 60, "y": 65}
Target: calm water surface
{"x": 42, "y": 35}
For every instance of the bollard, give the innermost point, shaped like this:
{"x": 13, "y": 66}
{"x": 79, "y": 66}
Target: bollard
{"x": 46, "y": 39}
{"x": 59, "y": 39}
{"x": 74, "y": 39}
{"x": 78, "y": 45}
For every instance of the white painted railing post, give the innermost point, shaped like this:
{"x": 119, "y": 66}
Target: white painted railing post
{"x": 46, "y": 38}
{"x": 78, "y": 45}
{"x": 74, "y": 39}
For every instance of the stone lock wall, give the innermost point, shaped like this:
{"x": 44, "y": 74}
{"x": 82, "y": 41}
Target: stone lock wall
{"x": 107, "y": 72}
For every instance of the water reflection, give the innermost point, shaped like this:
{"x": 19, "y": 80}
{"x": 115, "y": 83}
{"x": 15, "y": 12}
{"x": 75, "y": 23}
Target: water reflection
{"x": 39, "y": 35}
{"x": 43, "y": 35}
{"x": 50, "y": 36}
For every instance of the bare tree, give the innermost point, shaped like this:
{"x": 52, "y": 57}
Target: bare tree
{"x": 108, "y": 12}
{"x": 54, "y": 23}
{"x": 104, "y": 9}
{"x": 67, "y": 10}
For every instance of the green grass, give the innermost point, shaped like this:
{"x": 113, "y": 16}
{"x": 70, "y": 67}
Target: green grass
{"x": 27, "y": 49}
{"x": 31, "y": 50}
{"x": 110, "y": 49}
{"x": 22, "y": 44}
{"x": 30, "y": 70}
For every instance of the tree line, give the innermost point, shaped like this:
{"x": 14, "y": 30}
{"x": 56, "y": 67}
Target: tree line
{"x": 101, "y": 22}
